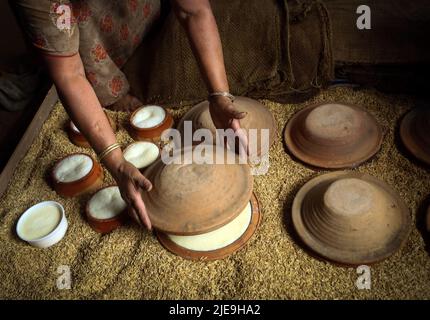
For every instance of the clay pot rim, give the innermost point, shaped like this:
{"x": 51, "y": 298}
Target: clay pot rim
{"x": 407, "y": 138}
{"x": 71, "y": 124}
{"x": 96, "y": 220}
{"x": 57, "y": 163}
{"x": 338, "y": 255}
{"x": 256, "y": 217}
{"x": 327, "y": 164}
{"x": 166, "y": 118}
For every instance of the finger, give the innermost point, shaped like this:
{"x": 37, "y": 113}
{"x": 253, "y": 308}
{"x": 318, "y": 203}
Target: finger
{"x": 143, "y": 182}
{"x": 132, "y": 213}
{"x": 140, "y": 208}
{"x": 233, "y": 113}
{"x": 243, "y": 138}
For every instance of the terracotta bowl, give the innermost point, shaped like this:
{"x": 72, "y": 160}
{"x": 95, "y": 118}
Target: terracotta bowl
{"x": 78, "y": 138}
{"x": 258, "y": 117}
{"x": 89, "y": 178}
{"x": 147, "y": 132}
{"x": 106, "y": 211}
{"x": 190, "y": 198}
{"x": 234, "y": 239}
{"x": 333, "y": 135}
{"x": 415, "y": 133}
{"x": 350, "y": 218}
{"x": 142, "y": 154}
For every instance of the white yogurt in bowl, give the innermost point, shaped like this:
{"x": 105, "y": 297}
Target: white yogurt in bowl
{"x": 141, "y": 154}
{"x": 73, "y": 168}
{"x": 106, "y": 203}
{"x": 43, "y": 224}
{"x": 148, "y": 117}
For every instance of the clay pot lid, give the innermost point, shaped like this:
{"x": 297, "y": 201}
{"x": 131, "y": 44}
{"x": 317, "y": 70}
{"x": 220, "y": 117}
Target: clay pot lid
{"x": 414, "y": 132}
{"x": 333, "y": 135}
{"x": 258, "y": 117}
{"x": 190, "y": 199}
{"x": 350, "y": 218}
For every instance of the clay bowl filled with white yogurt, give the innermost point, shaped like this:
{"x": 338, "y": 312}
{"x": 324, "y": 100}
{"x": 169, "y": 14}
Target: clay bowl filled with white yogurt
{"x": 106, "y": 210}
{"x": 148, "y": 123}
{"x": 76, "y": 174}
{"x": 78, "y": 138}
{"x": 142, "y": 154}
{"x": 42, "y": 225}
{"x": 219, "y": 243}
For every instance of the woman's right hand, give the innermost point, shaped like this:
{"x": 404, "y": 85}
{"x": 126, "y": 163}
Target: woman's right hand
{"x": 131, "y": 184}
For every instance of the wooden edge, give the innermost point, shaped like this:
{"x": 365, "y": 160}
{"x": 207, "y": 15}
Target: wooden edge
{"x": 219, "y": 253}
{"x": 27, "y": 139}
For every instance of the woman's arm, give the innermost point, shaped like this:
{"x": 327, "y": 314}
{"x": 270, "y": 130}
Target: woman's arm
{"x": 83, "y": 107}
{"x": 198, "y": 21}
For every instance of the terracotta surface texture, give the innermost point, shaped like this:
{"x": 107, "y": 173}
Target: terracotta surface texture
{"x": 351, "y": 218}
{"x": 415, "y": 133}
{"x": 258, "y": 117}
{"x": 333, "y": 135}
{"x": 188, "y": 199}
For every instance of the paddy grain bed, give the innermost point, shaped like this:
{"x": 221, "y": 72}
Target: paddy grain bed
{"x": 130, "y": 263}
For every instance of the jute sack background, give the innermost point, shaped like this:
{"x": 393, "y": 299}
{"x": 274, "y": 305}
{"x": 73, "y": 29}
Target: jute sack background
{"x": 394, "y": 55}
{"x": 257, "y": 50}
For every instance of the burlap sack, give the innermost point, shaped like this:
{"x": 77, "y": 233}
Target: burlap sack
{"x": 257, "y": 50}
{"x": 394, "y": 55}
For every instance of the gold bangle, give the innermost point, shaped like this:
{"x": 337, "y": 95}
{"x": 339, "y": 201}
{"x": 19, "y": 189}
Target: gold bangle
{"x": 108, "y": 150}
{"x": 222, "y": 94}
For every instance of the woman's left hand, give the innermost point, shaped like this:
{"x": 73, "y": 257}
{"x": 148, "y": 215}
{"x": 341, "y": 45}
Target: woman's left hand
{"x": 226, "y": 116}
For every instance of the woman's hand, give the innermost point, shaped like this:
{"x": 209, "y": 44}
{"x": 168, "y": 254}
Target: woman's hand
{"x": 132, "y": 183}
{"x": 225, "y": 116}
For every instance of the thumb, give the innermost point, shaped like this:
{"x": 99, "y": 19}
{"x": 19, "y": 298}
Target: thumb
{"x": 144, "y": 183}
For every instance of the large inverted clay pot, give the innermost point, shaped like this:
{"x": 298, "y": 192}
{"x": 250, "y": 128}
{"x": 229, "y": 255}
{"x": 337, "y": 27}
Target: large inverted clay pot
{"x": 415, "y": 133}
{"x": 219, "y": 243}
{"x": 333, "y": 135}
{"x": 258, "y": 117}
{"x": 191, "y": 199}
{"x": 76, "y": 174}
{"x": 350, "y": 218}
{"x": 147, "y": 123}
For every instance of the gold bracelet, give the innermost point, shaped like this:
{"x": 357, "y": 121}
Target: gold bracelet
{"x": 222, "y": 94}
{"x": 108, "y": 150}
